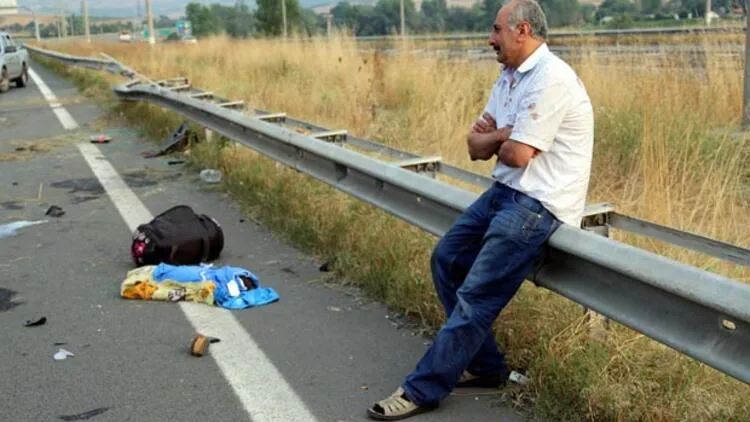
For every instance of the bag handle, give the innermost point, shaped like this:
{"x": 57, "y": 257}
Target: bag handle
{"x": 206, "y": 248}
{"x": 173, "y": 252}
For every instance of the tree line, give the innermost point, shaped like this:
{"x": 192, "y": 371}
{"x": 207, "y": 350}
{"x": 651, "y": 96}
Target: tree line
{"x": 383, "y": 16}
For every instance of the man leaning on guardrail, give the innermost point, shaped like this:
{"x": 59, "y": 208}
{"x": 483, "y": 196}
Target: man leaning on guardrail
{"x": 539, "y": 124}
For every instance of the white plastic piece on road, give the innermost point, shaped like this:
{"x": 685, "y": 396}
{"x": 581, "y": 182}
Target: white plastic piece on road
{"x": 62, "y": 354}
{"x": 66, "y": 120}
{"x": 260, "y": 387}
{"x": 11, "y": 229}
{"x": 518, "y": 378}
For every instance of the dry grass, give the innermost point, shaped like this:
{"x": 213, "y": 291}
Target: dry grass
{"x": 662, "y": 154}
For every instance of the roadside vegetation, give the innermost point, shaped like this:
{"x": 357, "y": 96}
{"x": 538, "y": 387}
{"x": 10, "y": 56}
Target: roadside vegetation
{"x": 664, "y": 152}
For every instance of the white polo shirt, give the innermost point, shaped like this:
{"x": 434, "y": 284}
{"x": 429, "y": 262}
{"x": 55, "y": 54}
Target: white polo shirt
{"x": 549, "y": 109}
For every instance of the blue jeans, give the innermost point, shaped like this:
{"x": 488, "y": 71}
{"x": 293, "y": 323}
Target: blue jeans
{"x": 477, "y": 267}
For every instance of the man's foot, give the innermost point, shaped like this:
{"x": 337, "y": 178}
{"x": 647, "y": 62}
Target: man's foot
{"x": 469, "y": 380}
{"x": 395, "y": 407}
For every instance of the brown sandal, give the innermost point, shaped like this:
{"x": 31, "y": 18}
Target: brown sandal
{"x": 395, "y": 407}
{"x": 200, "y": 343}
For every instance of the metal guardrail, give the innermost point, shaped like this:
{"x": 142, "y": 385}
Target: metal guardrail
{"x": 88, "y": 62}
{"x": 696, "y": 312}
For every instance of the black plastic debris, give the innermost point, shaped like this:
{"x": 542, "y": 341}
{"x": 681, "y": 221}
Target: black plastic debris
{"x": 85, "y": 415}
{"x": 6, "y": 300}
{"x": 35, "y": 322}
{"x": 326, "y": 267}
{"x": 173, "y": 162}
{"x": 177, "y": 140}
{"x": 55, "y": 211}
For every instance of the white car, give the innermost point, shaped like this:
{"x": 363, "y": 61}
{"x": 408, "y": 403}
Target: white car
{"x": 14, "y": 61}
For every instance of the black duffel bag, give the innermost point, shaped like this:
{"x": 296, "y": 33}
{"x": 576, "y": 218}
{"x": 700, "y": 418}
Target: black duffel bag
{"x": 178, "y": 236}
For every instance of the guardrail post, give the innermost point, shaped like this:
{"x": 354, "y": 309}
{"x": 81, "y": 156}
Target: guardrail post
{"x": 597, "y": 220}
{"x": 209, "y": 134}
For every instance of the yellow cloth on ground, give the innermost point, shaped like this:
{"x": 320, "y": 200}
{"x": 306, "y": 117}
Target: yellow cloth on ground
{"x": 139, "y": 284}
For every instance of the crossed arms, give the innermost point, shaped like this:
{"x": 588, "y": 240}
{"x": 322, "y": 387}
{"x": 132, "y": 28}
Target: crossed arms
{"x": 486, "y": 139}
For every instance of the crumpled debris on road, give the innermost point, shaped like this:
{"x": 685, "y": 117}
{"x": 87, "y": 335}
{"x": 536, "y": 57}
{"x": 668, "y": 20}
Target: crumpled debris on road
{"x": 176, "y": 141}
{"x": 228, "y": 287}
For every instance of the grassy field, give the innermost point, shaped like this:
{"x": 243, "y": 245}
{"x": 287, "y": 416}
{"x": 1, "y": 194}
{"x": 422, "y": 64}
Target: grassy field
{"x": 663, "y": 153}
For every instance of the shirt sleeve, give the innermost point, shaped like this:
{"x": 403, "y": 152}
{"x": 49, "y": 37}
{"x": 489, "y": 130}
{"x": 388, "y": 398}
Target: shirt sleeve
{"x": 491, "y": 106}
{"x": 541, "y": 112}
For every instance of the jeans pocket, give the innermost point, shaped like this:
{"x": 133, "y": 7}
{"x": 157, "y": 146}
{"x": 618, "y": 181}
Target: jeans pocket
{"x": 527, "y": 203}
{"x": 531, "y": 224}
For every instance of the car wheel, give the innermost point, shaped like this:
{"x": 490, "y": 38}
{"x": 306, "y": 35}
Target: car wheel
{"x": 23, "y": 80}
{"x": 4, "y": 81}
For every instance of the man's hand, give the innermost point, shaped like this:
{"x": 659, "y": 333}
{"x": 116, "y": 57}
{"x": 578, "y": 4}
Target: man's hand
{"x": 484, "y": 145}
{"x": 485, "y": 124}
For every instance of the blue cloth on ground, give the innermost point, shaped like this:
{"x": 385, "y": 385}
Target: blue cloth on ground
{"x": 230, "y": 291}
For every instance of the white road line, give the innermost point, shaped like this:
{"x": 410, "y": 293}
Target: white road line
{"x": 62, "y": 114}
{"x": 257, "y": 383}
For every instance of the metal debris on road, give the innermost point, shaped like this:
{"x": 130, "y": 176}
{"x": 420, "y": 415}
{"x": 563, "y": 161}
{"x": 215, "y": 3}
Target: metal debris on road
{"x": 177, "y": 140}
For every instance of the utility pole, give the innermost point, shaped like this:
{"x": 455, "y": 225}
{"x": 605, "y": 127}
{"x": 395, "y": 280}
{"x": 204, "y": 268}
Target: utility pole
{"x": 403, "y": 20}
{"x": 283, "y": 16}
{"x": 329, "y": 17}
{"x": 86, "y": 20}
{"x": 59, "y": 21}
{"x": 746, "y": 94}
{"x": 708, "y": 12}
{"x": 150, "y": 17}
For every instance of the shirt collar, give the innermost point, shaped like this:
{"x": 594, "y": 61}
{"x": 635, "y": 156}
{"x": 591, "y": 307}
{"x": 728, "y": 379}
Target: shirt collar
{"x": 533, "y": 59}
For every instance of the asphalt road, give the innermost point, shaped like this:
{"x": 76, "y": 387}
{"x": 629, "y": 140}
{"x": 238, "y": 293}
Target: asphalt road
{"x": 320, "y": 353}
